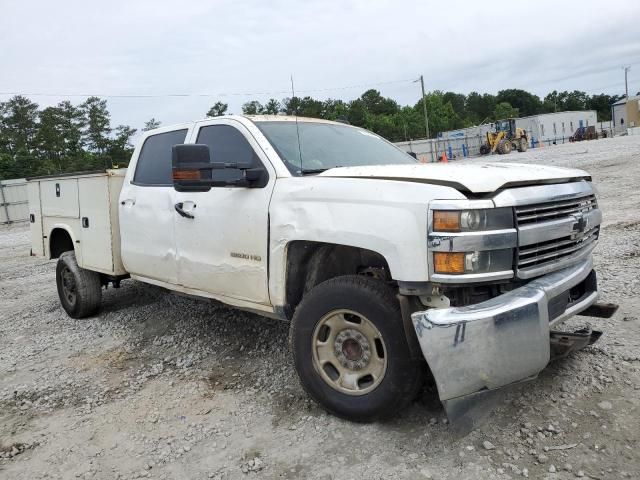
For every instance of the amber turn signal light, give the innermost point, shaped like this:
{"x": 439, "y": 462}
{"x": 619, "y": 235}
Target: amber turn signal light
{"x": 186, "y": 174}
{"x": 448, "y": 262}
{"x": 446, "y": 221}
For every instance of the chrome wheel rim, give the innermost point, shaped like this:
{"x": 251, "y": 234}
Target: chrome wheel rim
{"x": 349, "y": 352}
{"x": 69, "y": 287}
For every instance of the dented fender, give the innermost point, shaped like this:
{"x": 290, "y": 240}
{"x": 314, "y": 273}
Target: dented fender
{"x": 385, "y": 216}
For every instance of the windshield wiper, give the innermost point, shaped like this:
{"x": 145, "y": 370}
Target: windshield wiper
{"x": 311, "y": 171}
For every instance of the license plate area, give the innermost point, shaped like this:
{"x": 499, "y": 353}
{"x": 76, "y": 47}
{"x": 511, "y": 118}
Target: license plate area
{"x": 560, "y": 303}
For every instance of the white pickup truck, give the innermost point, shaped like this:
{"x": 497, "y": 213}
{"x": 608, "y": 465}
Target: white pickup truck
{"x": 378, "y": 262}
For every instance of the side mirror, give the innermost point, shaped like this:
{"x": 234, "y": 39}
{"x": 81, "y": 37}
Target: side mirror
{"x": 193, "y": 170}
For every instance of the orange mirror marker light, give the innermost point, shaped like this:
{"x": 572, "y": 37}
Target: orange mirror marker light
{"x": 186, "y": 174}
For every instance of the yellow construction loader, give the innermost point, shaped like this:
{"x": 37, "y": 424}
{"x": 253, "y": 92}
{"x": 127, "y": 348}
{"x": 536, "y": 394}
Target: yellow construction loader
{"x": 505, "y": 138}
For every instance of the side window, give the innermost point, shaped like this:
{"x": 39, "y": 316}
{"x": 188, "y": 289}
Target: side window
{"x": 154, "y": 163}
{"x": 228, "y": 145}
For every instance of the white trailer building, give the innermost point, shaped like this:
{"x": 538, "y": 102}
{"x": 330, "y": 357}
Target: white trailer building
{"x": 553, "y": 128}
{"x": 626, "y": 114}
{"x": 545, "y": 128}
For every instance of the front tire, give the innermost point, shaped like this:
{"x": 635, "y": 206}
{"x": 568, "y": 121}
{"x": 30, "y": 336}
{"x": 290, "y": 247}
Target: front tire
{"x": 350, "y": 350}
{"x": 504, "y": 147}
{"x": 80, "y": 290}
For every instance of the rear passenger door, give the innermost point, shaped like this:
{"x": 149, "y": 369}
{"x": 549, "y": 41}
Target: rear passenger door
{"x": 222, "y": 250}
{"x": 147, "y": 214}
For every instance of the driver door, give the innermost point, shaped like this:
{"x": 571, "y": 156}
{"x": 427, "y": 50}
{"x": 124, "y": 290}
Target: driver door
{"x": 223, "y": 249}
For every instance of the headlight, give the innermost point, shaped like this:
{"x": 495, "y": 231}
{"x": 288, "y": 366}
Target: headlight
{"x": 472, "y": 220}
{"x": 470, "y": 241}
{"x": 457, "y": 263}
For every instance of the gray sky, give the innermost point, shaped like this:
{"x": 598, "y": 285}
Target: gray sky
{"x": 228, "y": 47}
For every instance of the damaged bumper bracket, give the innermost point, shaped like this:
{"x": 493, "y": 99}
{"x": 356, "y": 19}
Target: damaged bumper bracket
{"x": 563, "y": 343}
{"x": 501, "y": 341}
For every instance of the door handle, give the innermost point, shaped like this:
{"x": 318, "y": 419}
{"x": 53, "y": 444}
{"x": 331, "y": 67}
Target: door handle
{"x": 178, "y": 207}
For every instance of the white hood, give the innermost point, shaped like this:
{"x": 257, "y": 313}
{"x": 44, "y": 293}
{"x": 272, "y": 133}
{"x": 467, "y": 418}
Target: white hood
{"x": 482, "y": 177}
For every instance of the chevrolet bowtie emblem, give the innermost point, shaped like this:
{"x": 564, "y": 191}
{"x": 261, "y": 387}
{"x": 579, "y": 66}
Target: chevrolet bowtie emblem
{"x": 581, "y": 223}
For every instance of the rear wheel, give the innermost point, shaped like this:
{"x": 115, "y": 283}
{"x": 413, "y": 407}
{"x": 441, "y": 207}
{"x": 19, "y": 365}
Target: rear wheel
{"x": 484, "y": 149}
{"x": 350, "y": 349}
{"x": 80, "y": 290}
{"x": 522, "y": 144}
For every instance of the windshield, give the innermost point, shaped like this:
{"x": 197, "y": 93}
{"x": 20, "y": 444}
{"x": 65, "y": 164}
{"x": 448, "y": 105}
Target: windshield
{"x": 327, "y": 145}
{"x": 503, "y": 126}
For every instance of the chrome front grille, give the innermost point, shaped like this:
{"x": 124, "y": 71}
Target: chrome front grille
{"x": 553, "y": 235}
{"x": 553, "y": 250}
{"x": 544, "y": 212}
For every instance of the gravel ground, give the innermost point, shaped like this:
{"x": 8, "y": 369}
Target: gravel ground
{"x": 162, "y": 386}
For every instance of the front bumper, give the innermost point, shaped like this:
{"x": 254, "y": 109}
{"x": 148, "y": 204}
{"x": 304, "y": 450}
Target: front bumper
{"x": 503, "y": 340}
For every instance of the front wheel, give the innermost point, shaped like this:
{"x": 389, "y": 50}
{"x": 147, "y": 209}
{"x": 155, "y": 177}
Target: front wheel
{"x": 350, "y": 349}
{"x": 80, "y": 290}
{"x": 504, "y": 147}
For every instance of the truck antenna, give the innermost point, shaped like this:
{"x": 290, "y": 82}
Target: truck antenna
{"x": 295, "y": 113}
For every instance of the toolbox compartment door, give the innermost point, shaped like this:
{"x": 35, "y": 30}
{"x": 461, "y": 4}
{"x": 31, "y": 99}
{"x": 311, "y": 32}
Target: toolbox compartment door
{"x": 35, "y": 218}
{"x": 59, "y": 198}
{"x": 95, "y": 223}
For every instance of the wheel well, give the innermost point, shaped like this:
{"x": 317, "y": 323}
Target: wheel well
{"x": 311, "y": 263}
{"x": 59, "y": 242}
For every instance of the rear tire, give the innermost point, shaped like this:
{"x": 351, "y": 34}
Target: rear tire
{"x": 484, "y": 149}
{"x": 359, "y": 367}
{"x": 524, "y": 144}
{"x": 80, "y": 290}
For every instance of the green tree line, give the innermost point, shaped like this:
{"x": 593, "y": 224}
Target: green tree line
{"x": 67, "y": 137}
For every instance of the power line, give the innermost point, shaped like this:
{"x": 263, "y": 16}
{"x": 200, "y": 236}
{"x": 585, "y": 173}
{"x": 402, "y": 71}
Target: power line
{"x": 161, "y": 95}
{"x": 195, "y": 95}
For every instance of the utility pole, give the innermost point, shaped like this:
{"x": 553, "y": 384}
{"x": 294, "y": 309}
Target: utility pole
{"x": 626, "y": 85}
{"x": 424, "y": 105}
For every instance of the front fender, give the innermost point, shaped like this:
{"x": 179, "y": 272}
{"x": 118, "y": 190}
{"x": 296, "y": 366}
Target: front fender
{"x": 388, "y": 217}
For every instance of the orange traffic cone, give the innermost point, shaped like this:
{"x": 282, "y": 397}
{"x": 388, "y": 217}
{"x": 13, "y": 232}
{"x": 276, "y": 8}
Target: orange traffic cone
{"x": 443, "y": 158}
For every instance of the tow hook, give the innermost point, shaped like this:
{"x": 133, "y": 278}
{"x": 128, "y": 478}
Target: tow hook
{"x": 600, "y": 310}
{"x": 563, "y": 343}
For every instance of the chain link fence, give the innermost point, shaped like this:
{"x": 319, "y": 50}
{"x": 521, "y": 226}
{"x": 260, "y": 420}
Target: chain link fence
{"x": 469, "y": 146}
